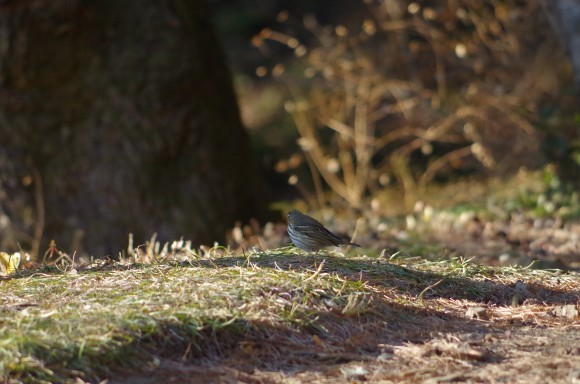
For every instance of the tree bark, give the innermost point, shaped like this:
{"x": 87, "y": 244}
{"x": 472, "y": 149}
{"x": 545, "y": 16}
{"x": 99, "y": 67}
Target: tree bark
{"x": 125, "y": 112}
{"x": 564, "y": 15}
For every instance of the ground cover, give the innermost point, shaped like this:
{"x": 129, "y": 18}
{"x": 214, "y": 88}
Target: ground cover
{"x": 280, "y": 316}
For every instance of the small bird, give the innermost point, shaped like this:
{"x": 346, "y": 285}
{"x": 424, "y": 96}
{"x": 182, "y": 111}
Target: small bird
{"x": 310, "y": 235}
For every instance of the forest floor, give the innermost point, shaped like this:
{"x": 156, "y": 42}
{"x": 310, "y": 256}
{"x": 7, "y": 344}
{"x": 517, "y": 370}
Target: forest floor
{"x": 407, "y": 322}
{"x": 488, "y": 292}
{"x": 281, "y": 317}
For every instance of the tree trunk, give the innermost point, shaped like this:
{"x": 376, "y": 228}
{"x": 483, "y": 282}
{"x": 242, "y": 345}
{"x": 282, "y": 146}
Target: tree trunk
{"x": 122, "y": 118}
{"x": 564, "y": 16}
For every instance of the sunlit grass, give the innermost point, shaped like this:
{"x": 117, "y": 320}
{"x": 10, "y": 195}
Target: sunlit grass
{"x": 94, "y": 321}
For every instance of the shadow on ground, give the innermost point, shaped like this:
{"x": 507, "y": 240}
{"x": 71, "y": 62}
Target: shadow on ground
{"x": 328, "y": 342}
{"x": 402, "y": 311}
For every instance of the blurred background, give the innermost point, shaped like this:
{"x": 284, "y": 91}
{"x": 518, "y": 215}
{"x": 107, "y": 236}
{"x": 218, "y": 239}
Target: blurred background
{"x": 437, "y": 128}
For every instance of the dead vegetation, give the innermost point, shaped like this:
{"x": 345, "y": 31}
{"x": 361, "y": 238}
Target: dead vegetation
{"x": 279, "y": 316}
{"x": 414, "y": 93}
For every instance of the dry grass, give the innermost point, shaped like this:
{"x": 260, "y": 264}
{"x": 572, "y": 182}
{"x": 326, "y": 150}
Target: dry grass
{"x": 279, "y": 316}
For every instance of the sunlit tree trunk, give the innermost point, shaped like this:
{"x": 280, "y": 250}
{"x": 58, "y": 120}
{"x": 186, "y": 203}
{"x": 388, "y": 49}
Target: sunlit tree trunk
{"x": 119, "y": 117}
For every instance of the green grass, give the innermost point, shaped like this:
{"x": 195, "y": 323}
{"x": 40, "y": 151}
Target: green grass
{"x": 97, "y": 321}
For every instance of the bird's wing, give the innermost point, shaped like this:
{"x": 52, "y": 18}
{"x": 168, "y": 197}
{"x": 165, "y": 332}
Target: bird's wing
{"x": 320, "y": 231}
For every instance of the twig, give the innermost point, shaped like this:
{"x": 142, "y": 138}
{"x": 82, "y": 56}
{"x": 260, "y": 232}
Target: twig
{"x": 315, "y": 274}
{"x": 40, "y": 211}
{"x": 420, "y": 297}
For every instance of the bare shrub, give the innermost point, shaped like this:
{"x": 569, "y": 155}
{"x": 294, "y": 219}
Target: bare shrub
{"x": 417, "y": 93}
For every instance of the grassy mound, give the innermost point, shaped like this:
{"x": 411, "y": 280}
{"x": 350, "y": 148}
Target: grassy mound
{"x": 274, "y": 315}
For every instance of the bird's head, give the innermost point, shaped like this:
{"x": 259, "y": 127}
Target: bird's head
{"x": 293, "y": 215}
